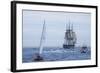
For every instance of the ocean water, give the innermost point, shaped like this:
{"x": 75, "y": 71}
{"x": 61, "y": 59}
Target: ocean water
{"x": 55, "y": 54}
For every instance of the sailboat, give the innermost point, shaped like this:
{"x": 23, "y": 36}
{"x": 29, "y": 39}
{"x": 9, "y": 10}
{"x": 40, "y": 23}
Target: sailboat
{"x": 70, "y": 38}
{"x": 84, "y": 49}
{"x": 42, "y": 40}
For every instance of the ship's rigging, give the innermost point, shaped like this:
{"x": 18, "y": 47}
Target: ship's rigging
{"x": 70, "y": 37}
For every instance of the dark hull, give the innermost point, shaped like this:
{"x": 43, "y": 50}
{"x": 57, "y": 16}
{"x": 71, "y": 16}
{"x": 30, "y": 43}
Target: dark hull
{"x": 68, "y": 46}
{"x": 38, "y": 58}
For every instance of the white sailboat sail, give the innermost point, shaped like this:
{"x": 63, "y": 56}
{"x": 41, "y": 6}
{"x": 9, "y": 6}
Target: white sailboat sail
{"x": 42, "y": 38}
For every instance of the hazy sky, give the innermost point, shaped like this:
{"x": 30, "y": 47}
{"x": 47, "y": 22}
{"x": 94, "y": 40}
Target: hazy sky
{"x": 55, "y": 27}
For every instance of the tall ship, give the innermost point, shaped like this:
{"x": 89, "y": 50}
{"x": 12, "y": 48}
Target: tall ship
{"x": 70, "y": 37}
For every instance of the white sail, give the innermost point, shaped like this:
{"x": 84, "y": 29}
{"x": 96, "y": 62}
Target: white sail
{"x": 42, "y": 38}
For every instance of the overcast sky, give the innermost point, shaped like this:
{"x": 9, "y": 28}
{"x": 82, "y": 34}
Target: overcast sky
{"x": 55, "y": 27}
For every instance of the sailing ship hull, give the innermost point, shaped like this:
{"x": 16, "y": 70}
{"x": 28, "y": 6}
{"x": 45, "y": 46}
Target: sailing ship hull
{"x": 68, "y": 46}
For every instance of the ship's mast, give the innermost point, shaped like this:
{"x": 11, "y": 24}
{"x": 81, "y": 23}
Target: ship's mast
{"x": 69, "y": 25}
{"x": 72, "y": 27}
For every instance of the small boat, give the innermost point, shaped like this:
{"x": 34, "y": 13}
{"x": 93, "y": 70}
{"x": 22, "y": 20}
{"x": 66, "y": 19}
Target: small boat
{"x": 83, "y": 49}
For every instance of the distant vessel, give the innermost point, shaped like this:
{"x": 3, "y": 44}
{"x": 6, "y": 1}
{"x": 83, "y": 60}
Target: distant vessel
{"x": 70, "y": 37}
{"x": 39, "y": 55}
{"x": 83, "y": 49}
